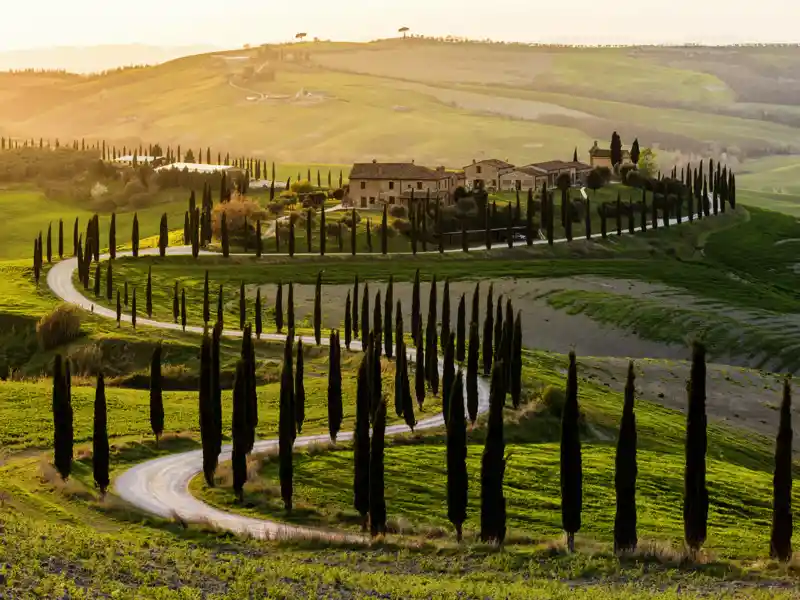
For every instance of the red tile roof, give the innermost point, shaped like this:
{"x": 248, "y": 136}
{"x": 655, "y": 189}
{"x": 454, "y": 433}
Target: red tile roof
{"x": 410, "y": 171}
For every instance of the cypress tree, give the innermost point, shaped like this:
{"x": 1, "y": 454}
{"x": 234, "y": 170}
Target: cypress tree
{"x": 183, "y": 309}
{"x": 571, "y": 468}
{"x": 781, "y": 540}
{"x": 457, "y": 458}
{"x": 603, "y": 229}
{"x": 216, "y": 389}
{"x": 62, "y": 419}
{"x": 163, "y": 236}
{"x": 461, "y": 328}
{"x": 377, "y": 499}
{"x": 187, "y": 229}
{"x": 476, "y": 303}
{"x": 416, "y": 314}
{"x": 619, "y": 214}
{"x": 353, "y": 238}
{"x": 156, "y": 397}
{"x": 407, "y": 402}
{"x": 239, "y": 431}
{"x": 134, "y": 235}
{"x": 626, "y": 471}
{"x": 224, "y": 235}
{"x": 323, "y": 232}
{"x": 376, "y": 381}
{"x": 509, "y": 225}
{"x": 388, "y": 305}
{"x": 432, "y": 354}
{"x": 291, "y": 237}
{"x": 318, "y": 309}
{"x": 695, "y": 494}
{"x": 97, "y": 282}
{"x": 109, "y": 283}
{"x": 148, "y": 295}
{"x": 369, "y": 236}
{"x": 299, "y": 389}
{"x": 529, "y": 219}
{"x": 419, "y": 374}
{"x": 61, "y": 239}
{"x": 644, "y": 211}
{"x": 133, "y": 309}
{"x": 365, "y": 317}
{"x": 207, "y": 425}
{"x": 425, "y": 214}
{"x": 220, "y": 310}
{"x": 206, "y": 308}
{"x": 432, "y": 306}
{"x": 290, "y": 308}
{"x": 516, "y": 362}
{"x": 399, "y": 349}
{"x": 119, "y": 310}
{"x": 347, "y": 321}
{"x": 259, "y": 325}
{"x": 36, "y": 265}
{"x": 472, "y": 372}
{"x": 464, "y": 242}
{"x": 49, "y": 243}
{"x": 75, "y": 239}
{"x": 493, "y": 465}
{"x": 335, "y": 410}
{"x": 448, "y": 375}
{"x": 277, "y": 237}
{"x": 487, "y": 232}
{"x": 498, "y": 330}
{"x": 279, "y": 308}
{"x": 631, "y": 220}
{"x": 259, "y": 241}
{"x": 361, "y": 442}
{"x": 308, "y": 231}
{"x": 385, "y": 231}
{"x": 100, "y": 448}
{"x": 356, "y": 298}
{"x": 176, "y": 311}
{"x": 445, "y": 332}
{"x": 242, "y": 306}
{"x": 488, "y": 327}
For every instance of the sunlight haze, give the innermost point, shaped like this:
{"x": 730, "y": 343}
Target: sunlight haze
{"x": 50, "y": 23}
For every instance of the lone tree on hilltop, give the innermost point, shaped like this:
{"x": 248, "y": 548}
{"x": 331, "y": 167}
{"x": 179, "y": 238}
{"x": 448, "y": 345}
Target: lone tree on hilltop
{"x": 404, "y": 30}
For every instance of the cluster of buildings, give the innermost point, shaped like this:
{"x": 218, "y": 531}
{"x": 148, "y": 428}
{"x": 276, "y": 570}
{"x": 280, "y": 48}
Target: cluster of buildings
{"x": 395, "y": 183}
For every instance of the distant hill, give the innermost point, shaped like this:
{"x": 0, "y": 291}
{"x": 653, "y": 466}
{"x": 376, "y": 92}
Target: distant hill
{"x": 93, "y": 59}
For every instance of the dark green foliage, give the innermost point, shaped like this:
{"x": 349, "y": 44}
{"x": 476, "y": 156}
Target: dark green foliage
{"x": 695, "y": 493}
{"x": 133, "y": 309}
{"x": 100, "y": 449}
{"x": 493, "y": 465}
{"x": 259, "y": 241}
{"x": 448, "y": 375}
{"x": 626, "y": 471}
{"x": 239, "y": 432}
{"x": 220, "y": 308}
{"x": 619, "y": 214}
{"x": 335, "y": 410}
{"x": 97, "y": 282}
{"x": 356, "y": 299}
{"x": 445, "y": 332}
{"x": 119, "y": 310}
{"x": 375, "y": 379}
{"x": 206, "y": 411}
{"x": 432, "y": 305}
{"x": 187, "y": 229}
{"x": 290, "y": 308}
{"x": 134, "y": 235}
{"x": 516, "y": 362}
{"x": 353, "y": 247}
{"x": 323, "y": 232}
{"x": 407, "y": 404}
{"x": 461, "y": 330}
{"x": 277, "y": 237}
{"x": 498, "y": 330}
{"x": 510, "y": 225}
{"x": 377, "y": 499}
{"x": 432, "y": 356}
{"x": 223, "y": 234}
{"x": 148, "y": 293}
{"x": 183, "y": 309}
{"x": 109, "y": 282}
{"x": 249, "y": 357}
{"x": 216, "y": 388}
{"x": 242, "y": 306}
{"x": 348, "y": 324}
{"x": 365, "y": 317}
{"x": 156, "y": 396}
{"x": 388, "y": 305}
{"x": 259, "y": 324}
{"x": 279, "y": 308}
{"x": 176, "y": 310}
{"x": 488, "y": 327}
{"x": 369, "y": 235}
{"x": 163, "y": 236}
{"x": 111, "y": 248}
{"x": 472, "y": 372}
{"x": 529, "y": 219}
{"x": 49, "y": 243}
{"x": 416, "y": 311}
{"x": 476, "y": 304}
{"x": 571, "y": 467}
{"x": 419, "y": 373}
{"x": 75, "y": 238}
{"x": 464, "y": 242}
{"x": 616, "y": 150}
{"x": 487, "y": 233}
{"x": 781, "y": 540}
{"x": 361, "y": 441}
{"x": 318, "y": 309}
{"x": 299, "y": 389}
{"x": 588, "y": 220}
{"x": 62, "y": 418}
{"x": 385, "y": 230}
{"x": 308, "y": 230}
{"x": 457, "y": 458}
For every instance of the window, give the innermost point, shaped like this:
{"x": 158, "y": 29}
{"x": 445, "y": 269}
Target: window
{"x": 391, "y": 199}
{"x": 372, "y": 199}
{"x": 363, "y": 185}
{"x": 419, "y": 185}
{"x": 391, "y": 185}
{"x": 478, "y": 170}
{"x": 363, "y": 201}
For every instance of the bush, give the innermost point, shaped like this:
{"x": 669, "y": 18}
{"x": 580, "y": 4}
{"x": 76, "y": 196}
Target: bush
{"x": 132, "y": 188}
{"x": 61, "y": 326}
{"x": 235, "y": 213}
{"x": 625, "y": 171}
{"x": 87, "y": 360}
{"x": 402, "y": 226}
{"x": 466, "y": 206}
{"x": 301, "y": 187}
{"x": 398, "y": 212}
{"x": 390, "y": 231}
{"x": 553, "y": 399}
{"x": 276, "y": 208}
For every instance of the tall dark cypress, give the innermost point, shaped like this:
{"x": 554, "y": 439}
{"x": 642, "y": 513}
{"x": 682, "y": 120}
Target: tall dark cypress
{"x": 323, "y": 232}
{"x": 134, "y": 235}
{"x": 416, "y": 314}
{"x": 291, "y": 237}
{"x": 119, "y": 309}
{"x": 626, "y": 471}
{"x": 476, "y": 304}
{"x": 163, "y": 236}
{"x": 318, "y": 309}
{"x": 176, "y": 309}
{"x": 183, "y": 309}
{"x": 335, "y": 411}
{"x": 385, "y": 230}
{"x": 407, "y": 404}
{"x": 448, "y": 375}
{"x": 100, "y": 448}
{"x": 97, "y": 282}
{"x": 388, "y": 306}
{"x": 781, "y": 539}
{"x": 516, "y": 362}
{"x": 365, "y": 317}
{"x": 290, "y": 308}
{"x": 355, "y": 322}
{"x": 493, "y": 465}
{"x": 109, "y": 282}
{"x": 220, "y": 308}
{"x": 242, "y": 306}
{"x": 695, "y": 493}
{"x": 445, "y": 331}
{"x": 353, "y": 231}
{"x": 133, "y": 309}
{"x": 419, "y": 364}
{"x": 432, "y": 306}
{"x": 239, "y": 431}
{"x": 472, "y": 372}
{"x": 571, "y": 467}
{"x": 75, "y": 238}
{"x": 187, "y": 229}
{"x": 377, "y": 498}
{"x": 249, "y": 358}
{"x": 279, "y": 308}
{"x": 206, "y": 411}
{"x": 361, "y": 441}
{"x": 308, "y": 231}
{"x": 457, "y": 458}
{"x": 369, "y": 235}
{"x": 619, "y": 214}
{"x": 223, "y": 234}
{"x": 62, "y": 418}
{"x": 156, "y": 397}
{"x": 487, "y": 230}
{"x": 299, "y": 389}
{"x": 498, "y": 330}
{"x": 529, "y": 219}
{"x": 49, "y": 243}
{"x": 348, "y": 324}
{"x": 216, "y": 388}
{"x": 488, "y": 328}
{"x": 461, "y": 330}
{"x": 259, "y": 324}
{"x": 148, "y": 293}
{"x": 61, "y": 239}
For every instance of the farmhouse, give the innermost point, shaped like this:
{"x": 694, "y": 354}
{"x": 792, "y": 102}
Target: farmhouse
{"x": 487, "y": 172}
{"x": 195, "y": 167}
{"x": 393, "y": 183}
{"x": 601, "y": 157}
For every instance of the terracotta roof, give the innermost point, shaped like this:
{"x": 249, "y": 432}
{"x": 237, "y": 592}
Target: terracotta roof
{"x": 528, "y": 170}
{"x": 580, "y": 166}
{"x": 394, "y": 171}
{"x": 551, "y": 165}
{"x": 493, "y": 162}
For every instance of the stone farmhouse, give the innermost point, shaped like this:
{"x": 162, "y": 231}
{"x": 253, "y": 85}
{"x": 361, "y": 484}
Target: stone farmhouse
{"x": 601, "y": 157}
{"x": 394, "y": 183}
{"x": 498, "y": 175}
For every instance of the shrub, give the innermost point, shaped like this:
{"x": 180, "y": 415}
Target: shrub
{"x": 390, "y": 231}
{"x": 87, "y": 360}
{"x": 625, "y": 171}
{"x": 301, "y": 187}
{"x": 402, "y": 226}
{"x": 553, "y": 399}
{"x": 235, "y": 213}
{"x": 466, "y": 207}
{"x": 276, "y": 208}
{"x": 61, "y": 326}
{"x": 132, "y": 188}
{"x": 398, "y": 212}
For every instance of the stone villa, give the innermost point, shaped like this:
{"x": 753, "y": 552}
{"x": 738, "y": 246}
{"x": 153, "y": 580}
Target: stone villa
{"x": 394, "y": 183}
{"x": 498, "y": 175}
{"x": 601, "y": 157}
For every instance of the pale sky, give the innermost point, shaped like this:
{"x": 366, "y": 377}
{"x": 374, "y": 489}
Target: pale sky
{"x": 231, "y": 23}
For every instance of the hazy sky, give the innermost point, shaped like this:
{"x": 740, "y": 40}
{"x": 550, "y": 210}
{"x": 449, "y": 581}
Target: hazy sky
{"x": 231, "y": 23}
